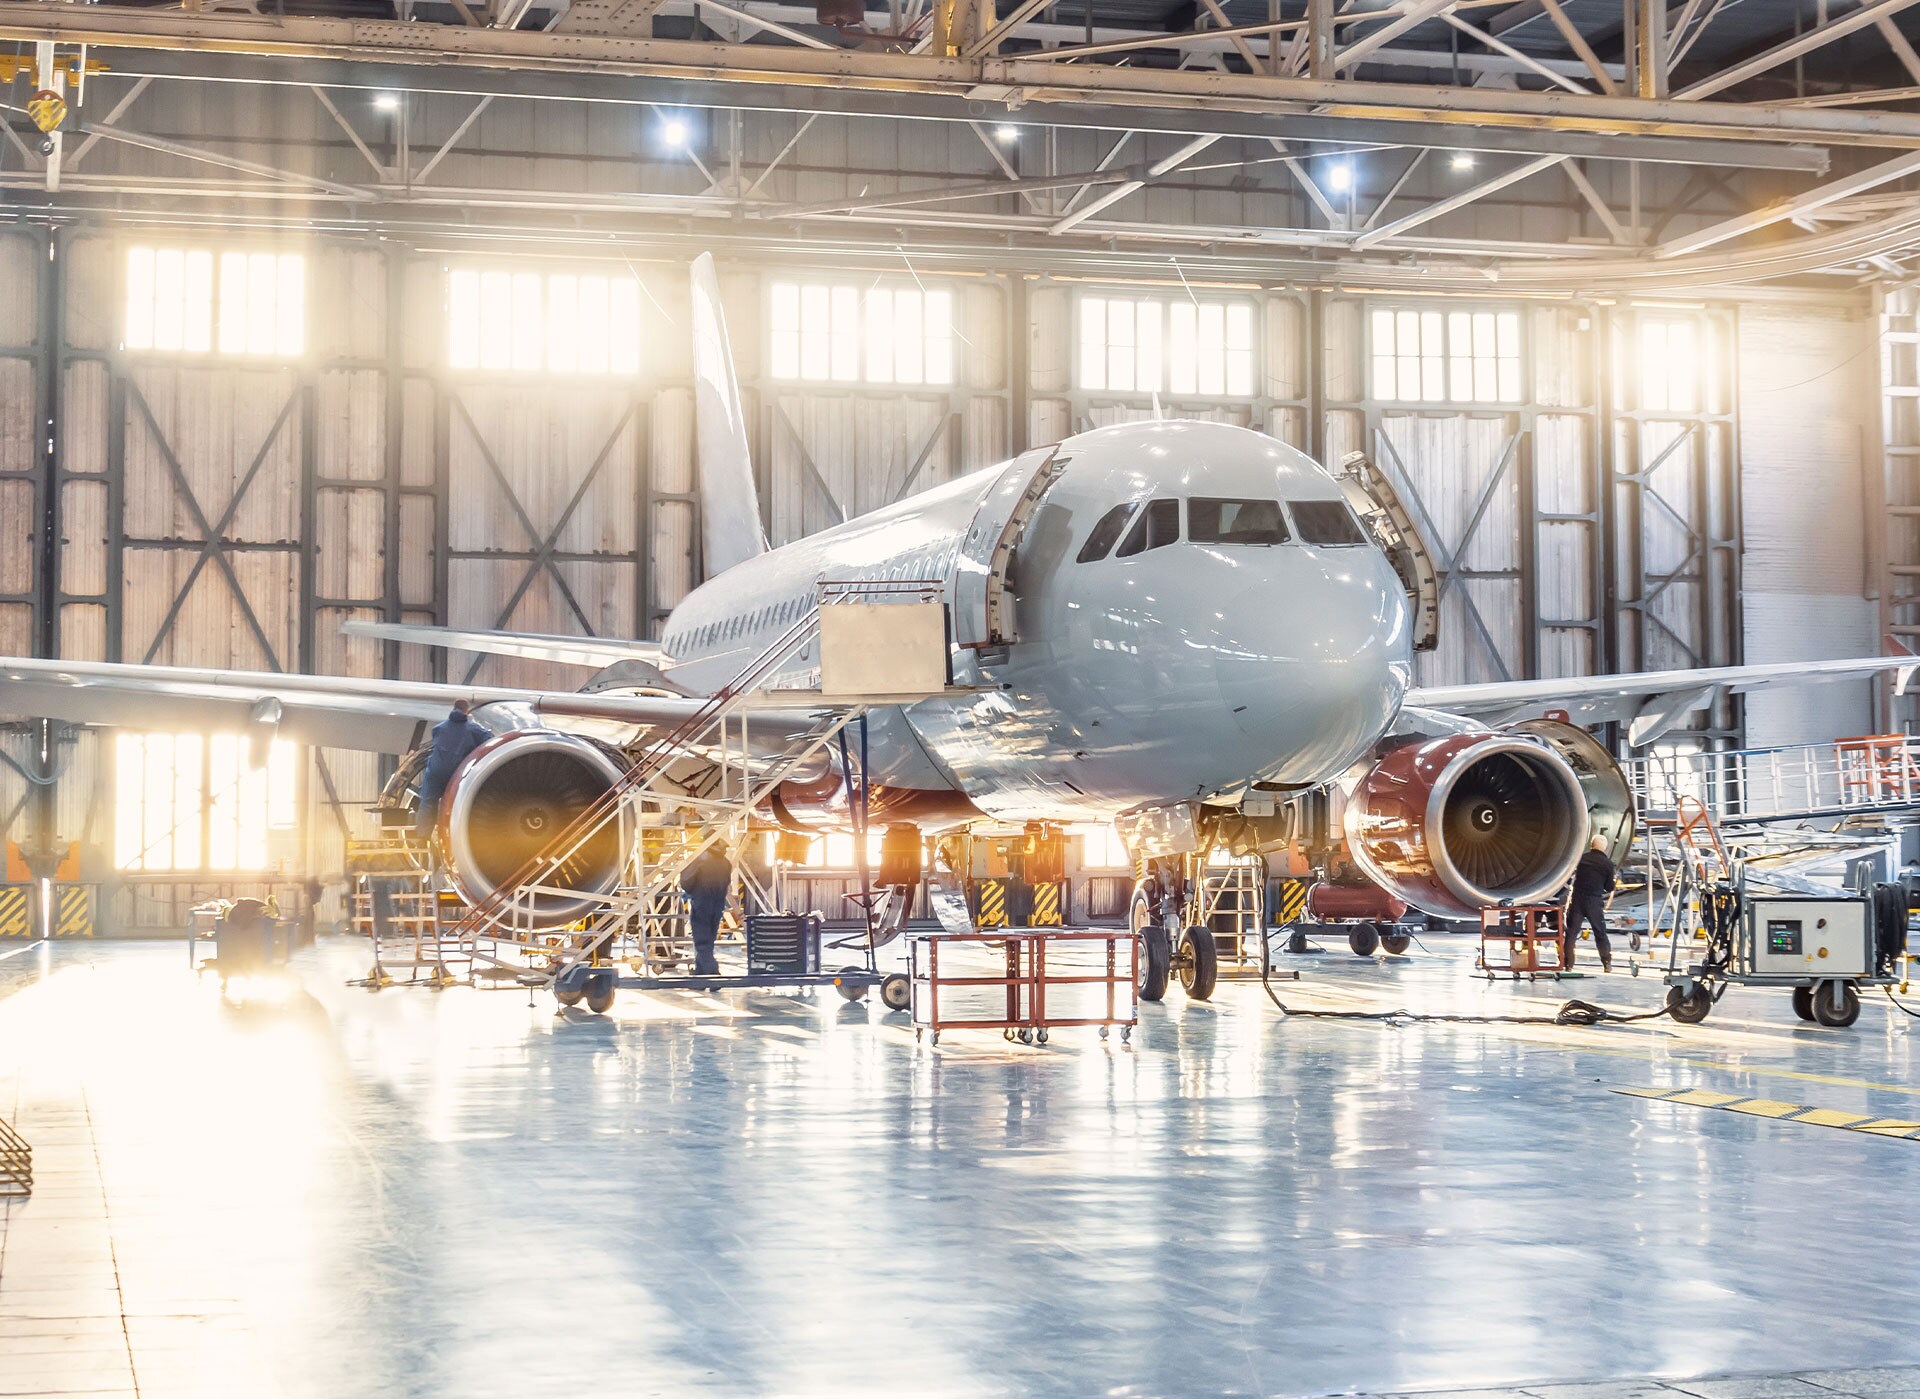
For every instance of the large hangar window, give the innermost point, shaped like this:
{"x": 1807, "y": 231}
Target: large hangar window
{"x": 1166, "y": 345}
{"x": 850, "y": 334}
{"x": 551, "y": 322}
{"x": 194, "y": 802}
{"x": 203, "y": 301}
{"x": 1669, "y": 364}
{"x": 1431, "y": 356}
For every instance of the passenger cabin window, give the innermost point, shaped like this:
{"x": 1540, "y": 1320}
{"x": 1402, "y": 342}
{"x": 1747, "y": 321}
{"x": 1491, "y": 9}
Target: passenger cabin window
{"x": 1105, "y": 533}
{"x": 1326, "y": 522}
{"x": 1211, "y": 521}
{"x": 1158, "y": 524}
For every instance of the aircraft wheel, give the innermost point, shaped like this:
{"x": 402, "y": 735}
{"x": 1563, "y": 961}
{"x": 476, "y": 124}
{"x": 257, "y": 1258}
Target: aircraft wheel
{"x": 600, "y": 990}
{"x": 1803, "y": 1002}
{"x": 1689, "y": 1007}
{"x": 1824, "y": 1010}
{"x": 1199, "y": 963}
{"x": 896, "y": 992}
{"x": 852, "y": 991}
{"x": 1156, "y": 962}
{"x": 1396, "y": 944}
{"x": 1363, "y": 940}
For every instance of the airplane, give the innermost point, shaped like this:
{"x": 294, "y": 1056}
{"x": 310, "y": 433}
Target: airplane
{"x": 1166, "y": 624}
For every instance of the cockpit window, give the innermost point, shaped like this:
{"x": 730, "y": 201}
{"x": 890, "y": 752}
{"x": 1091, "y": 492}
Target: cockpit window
{"x": 1158, "y": 524}
{"x": 1104, "y": 533}
{"x": 1326, "y": 522}
{"x": 1211, "y": 521}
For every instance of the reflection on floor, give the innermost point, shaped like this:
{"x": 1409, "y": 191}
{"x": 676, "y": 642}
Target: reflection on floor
{"x": 343, "y": 1193}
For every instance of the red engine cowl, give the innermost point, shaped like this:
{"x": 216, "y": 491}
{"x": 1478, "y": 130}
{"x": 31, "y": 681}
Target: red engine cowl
{"x": 1469, "y": 821}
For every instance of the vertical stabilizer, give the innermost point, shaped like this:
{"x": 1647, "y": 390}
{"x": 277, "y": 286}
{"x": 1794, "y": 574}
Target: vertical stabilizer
{"x": 730, "y": 530}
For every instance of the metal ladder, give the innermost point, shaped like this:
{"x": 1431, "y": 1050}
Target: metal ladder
{"x": 503, "y": 926}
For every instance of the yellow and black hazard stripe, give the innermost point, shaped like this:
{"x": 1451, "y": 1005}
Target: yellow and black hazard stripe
{"x": 1048, "y": 899}
{"x": 1293, "y": 899}
{"x": 1897, "y": 1127}
{"x": 992, "y": 909}
{"x": 73, "y": 911}
{"x": 16, "y": 911}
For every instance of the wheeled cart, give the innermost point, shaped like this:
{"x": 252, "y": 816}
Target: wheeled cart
{"x": 1820, "y": 949}
{"x": 1521, "y": 940}
{"x": 1028, "y": 964}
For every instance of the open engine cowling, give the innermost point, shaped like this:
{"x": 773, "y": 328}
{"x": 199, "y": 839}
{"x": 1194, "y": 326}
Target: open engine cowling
{"x": 1468, "y": 821}
{"x": 510, "y": 800}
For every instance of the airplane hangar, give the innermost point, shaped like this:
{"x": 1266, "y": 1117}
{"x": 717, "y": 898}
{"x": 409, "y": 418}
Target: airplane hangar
{"x": 727, "y": 697}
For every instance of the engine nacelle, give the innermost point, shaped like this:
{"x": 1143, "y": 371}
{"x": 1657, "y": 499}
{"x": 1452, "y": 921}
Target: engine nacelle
{"x": 1468, "y": 821}
{"x": 509, "y": 801}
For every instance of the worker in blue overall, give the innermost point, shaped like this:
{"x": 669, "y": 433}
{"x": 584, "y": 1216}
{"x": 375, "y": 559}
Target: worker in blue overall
{"x": 454, "y": 737}
{"x": 707, "y": 880}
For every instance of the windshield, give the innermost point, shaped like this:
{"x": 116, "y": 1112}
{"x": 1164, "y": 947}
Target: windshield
{"x": 1326, "y": 522}
{"x": 1212, "y": 521}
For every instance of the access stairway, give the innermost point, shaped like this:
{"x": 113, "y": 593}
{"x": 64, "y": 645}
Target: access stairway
{"x": 1877, "y": 774}
{"x": 663, "y": 821}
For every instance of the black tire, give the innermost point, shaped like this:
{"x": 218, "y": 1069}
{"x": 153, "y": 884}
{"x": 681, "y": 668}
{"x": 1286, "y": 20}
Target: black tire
{"x": 1156, "y": 962}
{"x": 1395, "y": 944}
{"x": 896, "y": 992}
{"x": 1825, "y": 1014}
{"x": 569, "y": 998}
{"x": 1364, "y": 941}
{"x": 600, "y": 990}
{"x": 1803, "y": 1002}
{"x": 854, "y": 991}
{"x": 1691, "y": 1006}
{"x": 1199, "y": 963}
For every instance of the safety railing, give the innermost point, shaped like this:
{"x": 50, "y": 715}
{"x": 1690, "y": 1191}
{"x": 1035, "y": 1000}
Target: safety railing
{"x": 16, "y": 1162}
{"x": 1877, "y": 772}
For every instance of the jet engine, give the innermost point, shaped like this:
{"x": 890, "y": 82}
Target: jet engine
{"x": 508, "y": 803}
{"x": 1467, "y": 821}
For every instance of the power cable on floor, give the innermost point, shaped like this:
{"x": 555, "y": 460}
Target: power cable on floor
{"x": 1574, "y": 1012}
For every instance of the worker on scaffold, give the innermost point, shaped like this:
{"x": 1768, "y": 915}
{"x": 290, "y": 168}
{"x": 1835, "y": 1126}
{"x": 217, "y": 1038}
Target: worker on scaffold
{"x": 453, "y": 739}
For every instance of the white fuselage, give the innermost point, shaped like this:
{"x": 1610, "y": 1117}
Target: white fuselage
{"x": 1139, "y": 678}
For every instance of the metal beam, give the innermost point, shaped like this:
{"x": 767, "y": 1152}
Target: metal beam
{"x": 1578, "y": 43}
{"x": 980, "y": 189}
{"x": 990, "y": 41}
{"x": 1896, "y": 169}
{"x": 1525, "y": 60}
{"x": 112, "y": 118}
{"x": 1414, "y": 12}
{"x": 1580, "y": 182}
{"x": 1121, "y": 191}
{"x": 1456, "y": 201}
{"x": 772, "y": 77}
{"x": 1818, "y": 37}
{"x": 228, "y": 162}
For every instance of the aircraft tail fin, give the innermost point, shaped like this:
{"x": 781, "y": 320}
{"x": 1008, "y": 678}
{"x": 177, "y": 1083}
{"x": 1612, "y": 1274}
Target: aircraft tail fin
{"x": 730, "y": 530}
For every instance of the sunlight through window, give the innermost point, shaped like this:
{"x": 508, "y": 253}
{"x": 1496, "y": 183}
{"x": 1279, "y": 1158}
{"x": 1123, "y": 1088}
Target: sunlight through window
{"x": 1183, "y": 346}
{"x": 257, "y": 302}
{"x": 1433, "y": 356}
{"x": 543, "y": 322}
{"x": 188, "y": 802}
{"x": 852, "y": 334}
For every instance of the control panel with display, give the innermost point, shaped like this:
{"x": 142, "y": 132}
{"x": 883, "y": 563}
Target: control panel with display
{"x": 1783, "y": 937}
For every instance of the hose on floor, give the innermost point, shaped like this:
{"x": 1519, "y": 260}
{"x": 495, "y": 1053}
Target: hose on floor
{"x": 1574, "y": 1012}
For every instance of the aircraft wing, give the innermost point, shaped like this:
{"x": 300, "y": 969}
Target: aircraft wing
{"x": 377, "y": 716}
{"x": 1650, "y": 702}
{"x": 591, "y": 651}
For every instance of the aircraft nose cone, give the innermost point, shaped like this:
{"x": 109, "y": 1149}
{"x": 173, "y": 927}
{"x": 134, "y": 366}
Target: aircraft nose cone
{"x": 1312, "y": 674}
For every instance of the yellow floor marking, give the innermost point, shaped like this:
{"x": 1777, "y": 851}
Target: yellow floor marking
{"x": 1894, "y": 1127}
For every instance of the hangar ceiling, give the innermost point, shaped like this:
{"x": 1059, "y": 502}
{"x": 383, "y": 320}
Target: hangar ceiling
{"x": 1551, "y": 145}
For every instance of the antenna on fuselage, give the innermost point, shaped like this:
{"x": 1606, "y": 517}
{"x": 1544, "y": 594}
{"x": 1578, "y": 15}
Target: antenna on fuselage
{"x": 1159, "y": 413}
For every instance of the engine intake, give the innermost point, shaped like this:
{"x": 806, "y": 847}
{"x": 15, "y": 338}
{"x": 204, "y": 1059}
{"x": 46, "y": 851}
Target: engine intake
{"x": 509, "y": 802}
{"x": 1469, "y": 821}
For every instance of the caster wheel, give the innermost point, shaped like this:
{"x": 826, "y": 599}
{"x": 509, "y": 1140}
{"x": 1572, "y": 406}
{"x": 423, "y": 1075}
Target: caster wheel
{"x": 1396, "y": 944}
{"x": 1689, "y": 1007}
{"x": 1040, "y": 1036}
{"x": 934, "y": 1038}
{"x": 1634, "y": 968}
{"x": 1364, "y": 941}
{"x": 600, "y": 990}
{"x": 851, "y": 992}
{"x": 569, "y": 998}
{"x": 896, "y": 992}
{"x": 1827, "y": 1013}
{"x": 1633, "y": 942}
{"x": 1103, "y": 1032}
{"x": 1803, "y": 1002}
{"x": 1126, "y": 1034}
{"x": 1026, "y": 1037}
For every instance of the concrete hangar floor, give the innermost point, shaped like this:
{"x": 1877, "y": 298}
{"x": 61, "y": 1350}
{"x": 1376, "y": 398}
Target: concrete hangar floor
{"x": 344, "y": 1193}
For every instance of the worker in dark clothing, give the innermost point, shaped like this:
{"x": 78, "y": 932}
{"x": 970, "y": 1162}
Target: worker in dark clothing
{"x": 706, "y": 880}
{"x": 1593, "y": 880}
{"x": 453, "y": 739}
